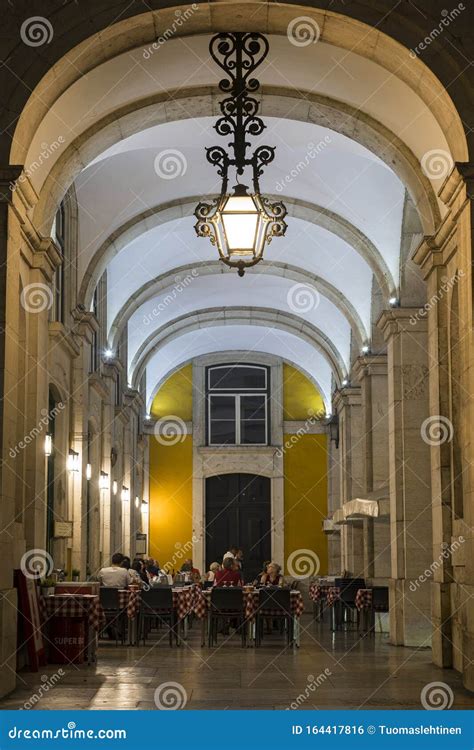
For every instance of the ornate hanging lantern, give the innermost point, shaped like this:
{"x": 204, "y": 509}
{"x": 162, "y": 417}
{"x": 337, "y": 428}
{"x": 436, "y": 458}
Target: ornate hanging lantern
{"x": 241, "y": 222}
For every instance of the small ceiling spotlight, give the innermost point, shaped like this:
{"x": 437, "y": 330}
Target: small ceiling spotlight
{"x": 393, "y": 302}
{"x": 147, "y": 417}
{"x": 365, "y": 349}
{"x": 345, "y": 381}
{"x": 109, "y": 354}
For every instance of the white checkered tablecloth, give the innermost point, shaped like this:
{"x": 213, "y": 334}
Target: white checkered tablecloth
{"x": 73, "y": 605}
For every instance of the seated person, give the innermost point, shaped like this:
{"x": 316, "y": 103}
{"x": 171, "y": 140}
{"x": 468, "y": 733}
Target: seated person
{"x": 257, "y": 580}
{"x": 228, "y": 575}
{"x": 133, "y": 576}
{"x": 272, "y": 576}
{"x": 114, "y": 577}
{"x": 211, "y": 573}
{"x": 188, "y": 567}
{"x": 139, "y": 567}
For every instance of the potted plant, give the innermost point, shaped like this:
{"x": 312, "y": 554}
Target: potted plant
{"x": 47, "y": 586}
{"x": 75, "y": 575}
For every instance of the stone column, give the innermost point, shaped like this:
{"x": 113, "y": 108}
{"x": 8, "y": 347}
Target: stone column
{"x": 410, "y": 476}
{"x": 347, "y": 404}
{"x": 371, "y": 373}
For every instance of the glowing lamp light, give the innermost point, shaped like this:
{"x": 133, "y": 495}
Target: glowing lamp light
{"x": 125, "y": 494}
{"x": 114, "y": 487}
{"x": 137, "y": 502}
{"x": 48, "y": 445}
{"x": 73, "y": 463}
{"x": 365, "y": 349}
{"x": 88, "y": 472}
{"x": 393, "y": 302}
{"x": 104, "y": 480}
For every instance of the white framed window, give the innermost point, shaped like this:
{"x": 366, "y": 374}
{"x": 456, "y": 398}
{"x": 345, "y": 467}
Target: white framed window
{"x": 237, "y": 405}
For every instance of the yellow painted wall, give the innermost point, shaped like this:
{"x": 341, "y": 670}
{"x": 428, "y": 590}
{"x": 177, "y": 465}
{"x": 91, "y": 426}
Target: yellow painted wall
{"x": 171, "y": 468}
{"x": 305, "y": 488}
{"x": 305, "y": 467}
{"x": 300, "y": 397}
{"x": 175, "y": 396}
{"x": 171, "y": 488}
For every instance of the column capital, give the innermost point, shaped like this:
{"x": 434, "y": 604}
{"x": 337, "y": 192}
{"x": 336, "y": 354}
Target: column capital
{"x": 86, "y": 323}
{"x": 8, "y": 177}
{"x": 402, "y": 320}
{"x": 371, "y": 364}
{"x": 350, "y": 396}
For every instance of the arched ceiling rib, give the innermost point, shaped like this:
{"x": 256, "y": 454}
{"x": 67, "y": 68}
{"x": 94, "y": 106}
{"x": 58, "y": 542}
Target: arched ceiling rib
{"x": 148, "y": 220}
{"x": 169, "y": 286}
{"x": 244, "y": 338}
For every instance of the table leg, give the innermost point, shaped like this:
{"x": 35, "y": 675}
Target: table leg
{"x": 296, "y": 631}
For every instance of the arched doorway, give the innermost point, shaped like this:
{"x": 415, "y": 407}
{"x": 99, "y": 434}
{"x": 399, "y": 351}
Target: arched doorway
{"x": 238, "y": 511}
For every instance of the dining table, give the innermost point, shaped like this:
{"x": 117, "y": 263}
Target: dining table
{"x": 73, "y": 607}
{"x": 251, "y": 595}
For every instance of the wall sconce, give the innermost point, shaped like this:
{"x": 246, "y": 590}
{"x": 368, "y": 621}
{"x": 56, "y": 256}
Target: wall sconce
{"x": 137, "y": 502}
{"x": 104, "y": 480}
{"x": 48, "y": 445}
{"x": 333, "y": 424}
{"x": 125, "y": 494}
{"x": 114, "y": 487}
{"x": 144, "y": 506}
{"x": 73, "y": 461}
{"x": 88, "y": 472}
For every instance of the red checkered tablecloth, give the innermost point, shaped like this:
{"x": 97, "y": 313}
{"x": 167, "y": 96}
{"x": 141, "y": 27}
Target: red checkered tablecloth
{"x": 251, "y": 599}
{"x": 184, "y": 600}
{"x": 129, "y": 599}
{"x": 363, "y": 599}
{"x": 318, "y": 591}
{"x": 73, "y": 605}
{"x": 332, "y": 595}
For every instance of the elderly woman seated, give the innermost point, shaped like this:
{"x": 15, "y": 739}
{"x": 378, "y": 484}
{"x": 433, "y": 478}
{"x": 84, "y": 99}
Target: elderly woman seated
{"x": 272, "y": 575}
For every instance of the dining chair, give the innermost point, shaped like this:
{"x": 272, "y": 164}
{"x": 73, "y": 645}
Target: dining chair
{"x": 274, "y": 603}
{"x": 115, "y": 615}
{"x": 156, "y": 606}
{"x": 227, "y": 603}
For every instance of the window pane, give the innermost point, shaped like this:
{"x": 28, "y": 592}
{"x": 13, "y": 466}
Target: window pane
{"x": 252, "y": 407}
{"x": 237, "y": 378}
{"x": 222, "y": 433}
{"x": 252, "y": 432}
{"x": 222, "y": 407}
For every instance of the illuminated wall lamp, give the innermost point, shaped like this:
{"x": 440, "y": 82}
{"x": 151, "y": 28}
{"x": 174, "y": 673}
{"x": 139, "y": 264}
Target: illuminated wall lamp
{"x": 73, "y": 461}
{"x": 88, "y": 472}
{"x": 137, "y": 502}
{"x": 104, "y": 480}
{"x": 125, "y": 494}
{"x": 114, "y": 487}
{"x": 48, "y": 445}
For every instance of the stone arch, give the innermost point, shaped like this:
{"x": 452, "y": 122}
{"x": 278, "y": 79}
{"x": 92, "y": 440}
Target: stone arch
{"x": 166, "y": 280}
{"x": 237, "y": 316}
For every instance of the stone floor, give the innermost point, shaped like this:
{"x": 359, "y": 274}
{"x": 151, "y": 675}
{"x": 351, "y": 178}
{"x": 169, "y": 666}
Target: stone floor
{"x": 329, "y": 670}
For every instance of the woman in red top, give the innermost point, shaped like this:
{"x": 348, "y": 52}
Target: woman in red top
{"x": 228, "y": 576}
